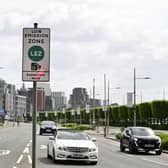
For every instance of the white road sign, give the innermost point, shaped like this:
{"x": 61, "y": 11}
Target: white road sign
{"x": 36, "y": 54}
{"x": 87, "y": 108}
{"x": 130, "y": 99}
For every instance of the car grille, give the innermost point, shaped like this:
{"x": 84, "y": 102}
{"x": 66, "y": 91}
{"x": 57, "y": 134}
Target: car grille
{"x": 77, "y": 149}
{"x": 74, "y": 157}
{"x": 142, "y": 142}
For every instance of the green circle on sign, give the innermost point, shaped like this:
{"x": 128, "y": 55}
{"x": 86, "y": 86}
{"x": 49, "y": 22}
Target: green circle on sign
{"x": 36, "y": 53}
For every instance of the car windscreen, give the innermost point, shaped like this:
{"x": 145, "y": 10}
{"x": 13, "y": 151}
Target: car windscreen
{"x": 47, "y": 123}
{"x": 142, "y": 132}
{"x": 72, "y": 135}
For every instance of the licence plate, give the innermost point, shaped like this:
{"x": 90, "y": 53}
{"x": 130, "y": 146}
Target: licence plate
{"x": 78, "y": 156}
{"x": 149, "y": 145}
{"x": 48, "y": 130}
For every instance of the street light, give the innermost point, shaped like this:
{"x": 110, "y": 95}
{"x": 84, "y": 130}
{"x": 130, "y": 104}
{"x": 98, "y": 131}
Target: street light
{"x": 135, "y": 93}
{"x": 108, "y": 104}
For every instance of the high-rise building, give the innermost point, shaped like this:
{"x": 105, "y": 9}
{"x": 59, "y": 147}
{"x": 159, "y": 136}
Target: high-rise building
{"x": 58, "y": 100}
{"x": 10, "y": 94}
{"x": 40, "y": 99}
{"x": 2, "y": 93}
{"x": 20, "y": 107}
{"x": 79, "y": 98}
{"x": 46, "y": 87}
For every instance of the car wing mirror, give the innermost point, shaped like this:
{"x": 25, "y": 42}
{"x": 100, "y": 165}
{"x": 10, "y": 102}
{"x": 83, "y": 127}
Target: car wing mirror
{"x": 51, "y": 138}
{"x": 93, "y": 139}
{"x": 127, "y": 133}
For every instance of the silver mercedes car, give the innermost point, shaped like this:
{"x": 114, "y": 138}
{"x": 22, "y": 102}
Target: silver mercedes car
{"x": 72, "y": 145}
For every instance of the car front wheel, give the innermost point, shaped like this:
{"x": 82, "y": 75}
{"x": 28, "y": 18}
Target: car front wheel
{"x": 48, "y": 155}
{"x": 122, "y": 148}
{"x": 94, "y": 163}
{"x": 132, "y": 149}
{"x": 158, "y": 152}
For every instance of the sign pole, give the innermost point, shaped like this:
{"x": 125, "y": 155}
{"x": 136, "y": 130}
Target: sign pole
{"x": 34, "y": 120}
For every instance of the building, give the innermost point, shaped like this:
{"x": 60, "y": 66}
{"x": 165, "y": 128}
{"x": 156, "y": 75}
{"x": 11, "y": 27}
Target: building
{"x": 46, "y": 87}
{"x": 95, "y": 102}
{"x": 79, "y": 98}
{"x": 10, "y": 94}
{"x": 2, "y": 93}
{"x": 20, "y": 107}
{"x": 58, "y": 100}
{"x": 40, "y": 99}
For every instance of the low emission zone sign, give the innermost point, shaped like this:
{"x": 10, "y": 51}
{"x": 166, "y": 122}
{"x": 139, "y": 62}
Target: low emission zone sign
{"x": 36, "y": 54}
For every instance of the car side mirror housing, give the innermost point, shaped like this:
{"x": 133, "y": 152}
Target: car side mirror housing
{"x": 127, "y": 133}
{"x": 93, "y": 139}
{"x": 52, "y": 138}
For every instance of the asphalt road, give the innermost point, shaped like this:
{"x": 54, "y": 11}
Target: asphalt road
{"x": 15, "y": 152}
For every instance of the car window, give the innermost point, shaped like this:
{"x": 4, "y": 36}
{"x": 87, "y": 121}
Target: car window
{"x": 47, "y": 123}
{"x": 142, "y": 131}
{"x": 69, "y": 135}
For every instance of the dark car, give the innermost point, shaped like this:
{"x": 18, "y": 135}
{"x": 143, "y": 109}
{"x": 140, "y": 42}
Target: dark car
{"x": 140, "y": 139}
{"x": 47, "y": 127}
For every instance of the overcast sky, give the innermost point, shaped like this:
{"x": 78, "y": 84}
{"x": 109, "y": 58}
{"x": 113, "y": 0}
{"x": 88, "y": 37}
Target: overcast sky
{"x": 90, "y": 38}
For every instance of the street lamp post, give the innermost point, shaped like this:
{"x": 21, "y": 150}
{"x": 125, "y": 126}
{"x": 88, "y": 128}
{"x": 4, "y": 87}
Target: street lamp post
{"x": 135, "y": 94}
{"x": 94, "y": 123}
{"x": 108, "y": 104}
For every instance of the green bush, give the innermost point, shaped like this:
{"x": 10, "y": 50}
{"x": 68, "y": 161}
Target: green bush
{"x": 118, "y": 135}
{"x": 83, "y": 127}
{"x": 164, "y": 139}
{"x": 70, "y": 125}
{"x": 76, "y": 126}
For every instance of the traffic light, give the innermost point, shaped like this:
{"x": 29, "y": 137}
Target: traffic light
{"x": 35, "y": 66}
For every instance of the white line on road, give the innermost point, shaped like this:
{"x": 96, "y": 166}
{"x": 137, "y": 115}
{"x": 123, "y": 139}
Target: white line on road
{"x": 29, "y": 158}
{"x": 14, "y": 167}
{"x": 4, "y": 152}
{"x": 26, "y": 150}
{"x": 43, "y": 147}
{"x": 20, "y": 159}
{"x": 160, "y": 163}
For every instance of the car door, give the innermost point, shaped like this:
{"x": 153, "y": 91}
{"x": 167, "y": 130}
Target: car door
{"x": 126, "y": 137}
{"x": 51, "y": 144}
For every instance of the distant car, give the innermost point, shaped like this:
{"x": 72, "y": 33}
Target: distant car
{"x": 140, "y": 139}
{"x": 72, "y": 145}
{"x": 47, "y": 127}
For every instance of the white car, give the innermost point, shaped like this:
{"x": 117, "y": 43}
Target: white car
{"x": 72, "y": 145}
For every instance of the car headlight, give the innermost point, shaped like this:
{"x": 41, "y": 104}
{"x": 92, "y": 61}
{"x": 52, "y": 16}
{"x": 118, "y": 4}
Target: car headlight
{"x": 159, "y": 140}
{"x": 135, "y": 139}
{"x": 92, "y": 149}
{"x": 63, "y": 148}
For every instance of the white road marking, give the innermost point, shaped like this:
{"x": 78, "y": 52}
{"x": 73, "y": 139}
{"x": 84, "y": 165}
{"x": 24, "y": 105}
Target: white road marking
{"x": 28, "y": 145}
{"x": 14, "y": 167}
{"x": 4, "y": 152}
{"x": 20, "y": 159}
{"x": 29, "y": 158}
{"x": 38, "y": 130}
{"x": 159, "y": 163}
{"x": 43, "y": 147}
{"x": 26, "y": 150}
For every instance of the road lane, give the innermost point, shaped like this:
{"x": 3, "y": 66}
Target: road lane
{"x": 18, "y": 141}
{"x": 13, "y": 139}
{"x": 109, "y": 156}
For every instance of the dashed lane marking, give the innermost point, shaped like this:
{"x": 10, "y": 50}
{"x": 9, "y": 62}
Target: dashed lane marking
{"x": 159, "y": 163}
{"x": 20, "y": 159}
{"x": 26, "y": 150}
{"x": 4, "y": 152}
{"x": 29, "y": 159}
{"x": 43, "y": 147}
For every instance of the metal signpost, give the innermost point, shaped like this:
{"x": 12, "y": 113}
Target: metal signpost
{"x": 35, "y": 67}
